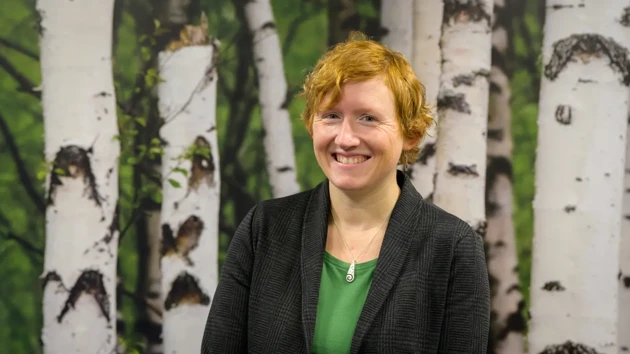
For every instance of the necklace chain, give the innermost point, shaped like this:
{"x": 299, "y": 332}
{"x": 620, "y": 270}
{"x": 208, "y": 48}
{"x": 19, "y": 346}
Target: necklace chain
{"x": 350, "y": 274}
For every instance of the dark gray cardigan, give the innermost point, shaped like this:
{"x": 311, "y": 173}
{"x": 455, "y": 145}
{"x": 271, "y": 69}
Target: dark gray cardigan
{"x": 429, "y": 293}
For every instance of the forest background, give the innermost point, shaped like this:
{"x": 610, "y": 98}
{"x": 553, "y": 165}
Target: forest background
{"x": 303, "y": 27}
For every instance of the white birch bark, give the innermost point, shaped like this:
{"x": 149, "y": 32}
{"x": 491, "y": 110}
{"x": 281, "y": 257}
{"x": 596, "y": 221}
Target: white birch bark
{"x": 79, "y": 106}
{"x": 507, "y": 303}
{"x": 397, "y": 20}
{"x": 272, "y": 94}
{"x": 623, "y": 331}
{"x": 426, "y": 61}
{"x": 463, "y": 111}
{"x": 190, "y": 212}
{"x": 154, "y": 295}
{"x": 582, "y": 122}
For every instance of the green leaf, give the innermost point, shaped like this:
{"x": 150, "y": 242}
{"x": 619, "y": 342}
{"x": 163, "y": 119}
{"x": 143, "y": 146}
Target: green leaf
{"x": 141, "y": 121}
{"x": 174, "y": 183}
{"x": 132, "y": 160}
{"x": 181, "y": 170}
{"x": 41, "y": 175}
{"x": 59, "y": 171}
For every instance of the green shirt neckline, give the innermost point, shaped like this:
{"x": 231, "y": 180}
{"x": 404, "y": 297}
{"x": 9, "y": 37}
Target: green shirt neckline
{"x": 340, "y": 304}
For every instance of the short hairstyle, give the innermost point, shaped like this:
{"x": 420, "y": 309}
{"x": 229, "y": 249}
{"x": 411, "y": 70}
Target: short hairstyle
{"x": 359, "y": 59}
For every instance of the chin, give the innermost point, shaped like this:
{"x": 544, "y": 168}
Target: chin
{"x": 349, "y": 183}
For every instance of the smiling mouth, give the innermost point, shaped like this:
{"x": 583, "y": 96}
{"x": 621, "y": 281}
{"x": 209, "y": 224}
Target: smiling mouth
{"x": 354, "y": 160}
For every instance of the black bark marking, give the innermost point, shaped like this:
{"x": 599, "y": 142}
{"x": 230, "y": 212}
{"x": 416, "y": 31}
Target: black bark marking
{"x": 465, "y": 11}
{"x": 623, "y": 348}
{"x": 454, "y": 101}
{"x": 268, "y": 25}
{"x": 185, "y": 290}
{"x": 90, "y": 283}
{"x": 579, "y": 179}
{"x": 203, "y": 167}
{"x": 426, "y": 153}
{"x": 469, "y": 79}
{"x": 113, "y": 227}
{"x": 456, "y": 170}
{"x": 498, "y": 59}
{"x": 73, "y": 162}
{"x": 39, "y": 17}
{"x": 514, "y": 287}
{"x": 496, "y": 134}
{"x": 569, "y": 208}
{"x": 50, "y": 276}
{"x": 514, "y": 323}
{"x": 211, "y": 129}
{"x": 497, "y": 166}
{"x": 569, "y": 347}
{"x": 563, "y": 114}
{"x": 480, "y": 228}
{"x": 553, "y": 286}
{"x": 187, "y": 239}
{"x": 284, "y": 169}
{"x": 626, "y": 282}
{"x": 625, "y": 17}
{"x": 587, "y": 81}
{"x": 103, "y": 94}
{"x": 584, "y": 47}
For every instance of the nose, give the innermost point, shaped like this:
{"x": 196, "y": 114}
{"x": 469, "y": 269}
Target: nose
{"x": 346, "y": 136}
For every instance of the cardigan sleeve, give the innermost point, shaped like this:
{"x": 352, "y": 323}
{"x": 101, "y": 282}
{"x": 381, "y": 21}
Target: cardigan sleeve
{"x": 467, "y": 314}
{"x": 226, "y": 327}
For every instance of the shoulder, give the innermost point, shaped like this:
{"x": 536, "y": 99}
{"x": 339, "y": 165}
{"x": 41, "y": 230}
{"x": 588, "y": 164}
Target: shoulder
{"x": 443, "y": 224}
{"x": 283, "y": 211}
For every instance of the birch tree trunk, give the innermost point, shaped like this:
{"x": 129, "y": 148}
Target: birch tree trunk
{"x": 190, "y": 204}
{"x": 79, "y": 105}
{"x": 397, "y": 22}
{"x": 623, "y": 330}
{"x": 463, "y": 110}
{"x": 272, "y": 94}
{"x": 426, "y": 61}
{"x": 507, "y": 302}
{"x": 173, "y": 16}
{"x": 582, "y": 124}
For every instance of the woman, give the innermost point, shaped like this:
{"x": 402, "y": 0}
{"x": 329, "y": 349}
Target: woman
{"x": 361, "y": 263}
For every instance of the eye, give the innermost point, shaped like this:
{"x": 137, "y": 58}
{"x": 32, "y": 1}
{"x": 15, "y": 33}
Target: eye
{"x": 330, "y": 116}
{"x": 368, "y": 118}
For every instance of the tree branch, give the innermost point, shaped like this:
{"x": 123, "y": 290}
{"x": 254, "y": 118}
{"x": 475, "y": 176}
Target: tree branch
{"x": 18, "y": 48}
{"x": 27, "y": 245}
{"x": 25, "y": 84}
{"x": 141, "y": 300}
{"x": 21, "y": 166}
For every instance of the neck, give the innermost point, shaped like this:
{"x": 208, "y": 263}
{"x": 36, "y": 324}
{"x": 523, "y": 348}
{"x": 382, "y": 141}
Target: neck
{"x": 364, "y": 210}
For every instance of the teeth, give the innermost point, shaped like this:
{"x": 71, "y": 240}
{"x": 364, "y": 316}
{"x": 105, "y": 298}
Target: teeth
{"x": 350, "y": 160}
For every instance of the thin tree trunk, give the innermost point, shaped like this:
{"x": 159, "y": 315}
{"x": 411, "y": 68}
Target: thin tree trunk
{"x": 623, "y": 330}
{"x": 426, "y": 62}
{"x": 508, "y": 323}
{"x": 582, "y": 124}
{"x": 272, "y": 93}
{"x": 343, "y": 17}
{"x": 79, "y": 108}
{"x": 191, "y": 192}
{"x": 397, "y": 23}
{"x": 463, "y": 111}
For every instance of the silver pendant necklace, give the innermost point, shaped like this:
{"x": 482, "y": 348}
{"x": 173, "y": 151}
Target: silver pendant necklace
{"x": 350, "y": 274}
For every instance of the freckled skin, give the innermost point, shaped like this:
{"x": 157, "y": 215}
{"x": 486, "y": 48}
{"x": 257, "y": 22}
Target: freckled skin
{"x": 362, "y": 124}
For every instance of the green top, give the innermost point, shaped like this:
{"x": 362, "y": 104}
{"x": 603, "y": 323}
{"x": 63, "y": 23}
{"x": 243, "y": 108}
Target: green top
{"x": 340, "y": 304}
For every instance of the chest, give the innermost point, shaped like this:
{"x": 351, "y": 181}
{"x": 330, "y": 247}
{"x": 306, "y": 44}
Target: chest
{"x": 408, "y": 318}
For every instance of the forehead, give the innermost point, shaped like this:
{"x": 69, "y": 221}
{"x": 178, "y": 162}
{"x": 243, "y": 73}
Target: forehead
{"x": 371, "y": 94}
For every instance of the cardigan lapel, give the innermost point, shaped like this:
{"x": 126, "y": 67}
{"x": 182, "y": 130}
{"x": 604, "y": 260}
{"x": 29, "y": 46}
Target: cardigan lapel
{"x": 391, "y": 257}
{"x": 314, "y": 233}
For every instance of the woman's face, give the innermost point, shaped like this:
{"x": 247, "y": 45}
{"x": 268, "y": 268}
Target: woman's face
{"x": 358, "y": 141}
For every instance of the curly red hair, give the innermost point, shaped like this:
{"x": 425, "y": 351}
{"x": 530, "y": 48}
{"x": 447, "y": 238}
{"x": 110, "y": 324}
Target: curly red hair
{"x": 359, "y": 59}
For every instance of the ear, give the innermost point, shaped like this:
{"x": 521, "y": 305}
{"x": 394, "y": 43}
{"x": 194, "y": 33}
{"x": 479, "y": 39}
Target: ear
{"x": 409, "y": 144}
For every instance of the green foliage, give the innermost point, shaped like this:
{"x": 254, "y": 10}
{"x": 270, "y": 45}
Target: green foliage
{"x": 239, "y": 128}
